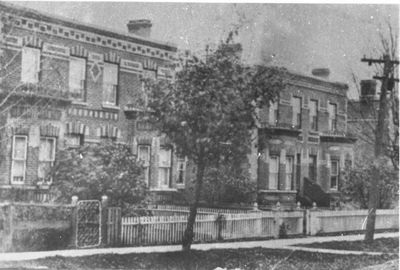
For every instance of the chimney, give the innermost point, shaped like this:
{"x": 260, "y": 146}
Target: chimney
{"x": 368, "y": 89}
{"x": 321, "y": 72}
{"x": 140, "y": 27}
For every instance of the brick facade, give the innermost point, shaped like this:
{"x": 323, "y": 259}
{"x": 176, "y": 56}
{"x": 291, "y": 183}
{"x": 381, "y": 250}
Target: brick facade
{"x": 287, "y": 142}
{"x": 50, "y": 102}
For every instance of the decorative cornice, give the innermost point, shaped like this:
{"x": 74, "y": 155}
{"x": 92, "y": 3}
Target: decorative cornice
{"x": 34, "y": 21}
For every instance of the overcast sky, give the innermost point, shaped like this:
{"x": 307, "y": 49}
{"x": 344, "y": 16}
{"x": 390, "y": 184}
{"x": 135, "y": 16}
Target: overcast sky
{"x": 298, "y": 36}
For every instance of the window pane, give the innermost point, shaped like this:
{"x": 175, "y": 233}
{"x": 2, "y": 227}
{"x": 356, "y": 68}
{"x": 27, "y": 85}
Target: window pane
{"x": 296, "y": 103}
{"x": 334, "y": 168}
{"x": 19, "y": 148}
{"x": 110, "y": 94}
{"x": 163, "y": 174}
{"x": 73, "y": 140}
{"x": 110, "y": 74}
{"x": 181, "y": 171}
{"x": 164, "y": 157}
{"x": 44, "y": 169}
{"x": 273, "y": 113}
{"x": 18, "y": 169}
{"x": 144, "y": 154}
{"x": 30, "y": 65}
{"x": 46, "y": 149}
{"x": 77, "y": 76}
{"x": 273, "y": 172}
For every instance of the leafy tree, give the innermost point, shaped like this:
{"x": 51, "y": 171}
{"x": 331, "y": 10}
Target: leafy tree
{"x": 227, "y": 185}
{"x": 210, "y": 109}
{"x": 357, "y": 181}
{"x": 91, "y": 171}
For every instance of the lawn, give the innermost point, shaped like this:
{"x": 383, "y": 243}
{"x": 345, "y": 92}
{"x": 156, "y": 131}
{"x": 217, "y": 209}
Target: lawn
{"x": 254, "y": 258}
{"x": 387, "y": 245}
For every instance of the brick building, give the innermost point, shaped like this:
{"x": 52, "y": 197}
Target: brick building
{"x": 65, "y": 84}
{"x": 302, "y": 136}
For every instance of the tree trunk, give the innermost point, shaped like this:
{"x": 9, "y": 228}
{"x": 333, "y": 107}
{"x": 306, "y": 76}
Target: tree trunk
{"x": 381, "y": 129}
{"x": 188, "y": 235}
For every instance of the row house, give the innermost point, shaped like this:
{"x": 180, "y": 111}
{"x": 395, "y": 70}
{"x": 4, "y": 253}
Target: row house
{"x": 65, "y": 84}
{"x": 302, "y": 136}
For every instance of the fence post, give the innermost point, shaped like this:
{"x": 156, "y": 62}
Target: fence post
{"x": 103, "y": 225}
{"x": 277, "y": 222}
{"x": 220, "y": 224}
{"x": 74, "y": 203}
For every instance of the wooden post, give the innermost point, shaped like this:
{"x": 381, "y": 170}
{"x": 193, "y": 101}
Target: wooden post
{"x": 74, "y": 229}
{"x": 103, "y": 224}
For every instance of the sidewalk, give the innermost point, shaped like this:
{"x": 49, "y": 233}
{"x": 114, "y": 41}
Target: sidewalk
{"x": 274, "y": 244}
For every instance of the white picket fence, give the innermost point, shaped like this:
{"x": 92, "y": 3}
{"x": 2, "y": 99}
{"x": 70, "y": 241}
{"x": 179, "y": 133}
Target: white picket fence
{"x": 170, "y": 229}
{"x": 341, "y": 221}
{"x": 164, "y": 230}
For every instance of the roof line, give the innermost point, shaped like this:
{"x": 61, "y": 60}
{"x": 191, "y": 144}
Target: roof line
{"x": 44, "y": 16}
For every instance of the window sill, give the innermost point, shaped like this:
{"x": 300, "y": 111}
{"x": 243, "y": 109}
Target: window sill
{"x": 163, "y": 189}
{"x": 277, "y": 191}
{"x": 180, "y": 186}
{"x": 109, "y": 106}
{"x": 18, "y": 186}
{"x": 81, "y": 103}
{"x": 333, "y": 191}
{"x": 42, "y": 185}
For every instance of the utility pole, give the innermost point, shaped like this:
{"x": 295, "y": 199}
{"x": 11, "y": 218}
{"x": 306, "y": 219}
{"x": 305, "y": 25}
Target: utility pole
{"x": 386, "y": 86}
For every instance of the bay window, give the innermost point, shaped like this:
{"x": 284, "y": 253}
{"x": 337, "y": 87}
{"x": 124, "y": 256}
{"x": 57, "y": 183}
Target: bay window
{"x": 110, "y": 84}
{"x": 19, "y": 154}
{"x": 30, "y": 65}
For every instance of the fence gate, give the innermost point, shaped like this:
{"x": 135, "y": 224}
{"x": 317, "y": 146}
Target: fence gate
{"x": 88, "y": 223}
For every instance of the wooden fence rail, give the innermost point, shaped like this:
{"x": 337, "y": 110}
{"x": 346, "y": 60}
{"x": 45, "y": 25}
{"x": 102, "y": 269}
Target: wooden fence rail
{"x": 170, "y": 229}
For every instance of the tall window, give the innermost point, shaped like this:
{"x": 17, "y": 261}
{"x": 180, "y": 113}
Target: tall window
{"x": 332, "y": 110}
{"x": 273, "y": 172}
{"x": 334, "y": 174}
{"x": 273, "y": 113}
{"x": 30, "y": 66}
{"x": 47, "y": 150}
{"x": 312, "y": 168}
{"x": 181, "y": 171}
{"x": 289, "y": 172}
{"x": 110, "y": 84}
{"x": 296, "y": 117}
{"x": 313, "y": 115}
{"x": 19, "y": 159}
{"x": 298, "y": 170}
{"x": 144, "y": 156}
{"x": 164, "y": 167}
{"x": 77, "y": 78}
